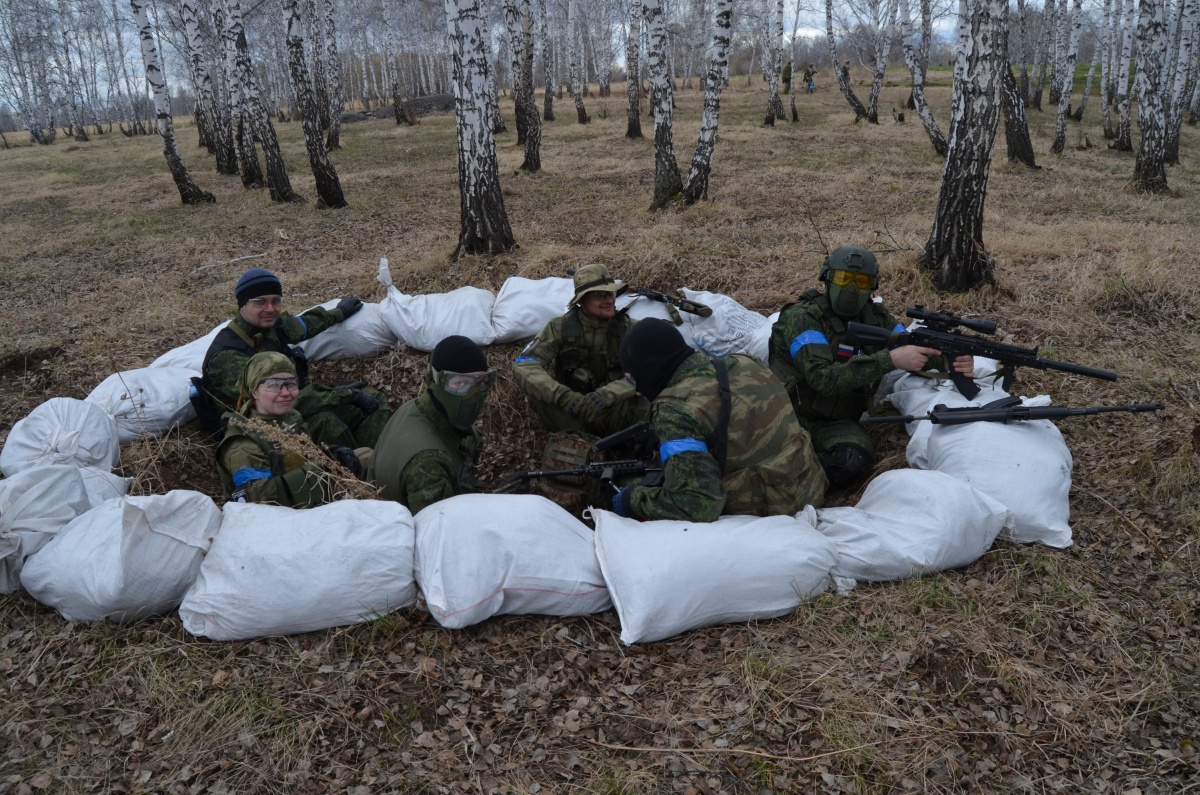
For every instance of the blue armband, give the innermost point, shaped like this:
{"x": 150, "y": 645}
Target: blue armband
{"x": 247, "y": 474}
{"x": 807, "y": 338}
{"x": 668, "y": 449}
{"x": 520, "y": 359}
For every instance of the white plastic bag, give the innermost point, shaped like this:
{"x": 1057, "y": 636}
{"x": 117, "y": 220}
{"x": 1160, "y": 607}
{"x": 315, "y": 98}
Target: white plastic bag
{"x": 128, "y": 559}
{"x": 362, "y": 334}
{"x": 732, "y": 328}
{"x": 422, "y": 321}
{"x": 146, "y": 402}
{"x": 910, "y": 522}
{"x": 667, "y": 577}
{"x": 279, "y": 571}
{"x": 760, "y": 342}
{"x": 916, "y": 395}
{"x": 1026, "y": 466}
{"x": 34, "y": 505}
{"x": 191, "y": 355}
{"x": 524, "y": 306}
{"x": 62, "y": 431}
{"x": 102, "y": 485}
{"x": 482, "y": 555}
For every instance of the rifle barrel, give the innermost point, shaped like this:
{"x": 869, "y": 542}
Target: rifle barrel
{"x": 1077, "y": 369}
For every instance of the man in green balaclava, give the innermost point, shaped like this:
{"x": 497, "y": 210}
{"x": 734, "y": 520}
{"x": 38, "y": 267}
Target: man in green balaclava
{"x": 430, "y": 447}
{"x": 830, "y": 382}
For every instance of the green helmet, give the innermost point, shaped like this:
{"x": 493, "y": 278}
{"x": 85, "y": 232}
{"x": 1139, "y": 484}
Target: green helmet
{"x": 848, "y": 298}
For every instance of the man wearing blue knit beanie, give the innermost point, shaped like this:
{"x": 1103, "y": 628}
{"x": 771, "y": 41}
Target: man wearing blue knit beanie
{"x": 349, "y": 416}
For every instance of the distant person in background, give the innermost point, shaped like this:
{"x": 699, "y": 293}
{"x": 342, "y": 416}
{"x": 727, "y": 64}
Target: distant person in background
{"x": 810, "y": 74}
{"x": 254, "y": 468}
{"x": 430, "y": 447}
{"x": 350, "y": 416}
{"x": 572, "y": 373}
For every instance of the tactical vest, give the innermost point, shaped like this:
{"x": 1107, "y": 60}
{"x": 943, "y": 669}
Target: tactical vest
{"x": 409, "y": 432}
{"x": 234, "y": 338}
{"x": 578, "y": 366}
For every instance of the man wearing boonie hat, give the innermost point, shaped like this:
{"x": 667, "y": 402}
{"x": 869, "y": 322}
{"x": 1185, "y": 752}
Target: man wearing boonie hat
{"x": 572, "y": 373}
{"x": 335, "y": 415}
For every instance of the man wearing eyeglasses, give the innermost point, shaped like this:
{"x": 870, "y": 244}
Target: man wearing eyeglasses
{"x": 430, "y": 447}
{"x": 335, "y": 415}
{"x": 831, "y": 383}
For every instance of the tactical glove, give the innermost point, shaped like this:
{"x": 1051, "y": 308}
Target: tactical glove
{"x": 586, "y": 405}
{"x": 620, "y": 502}
{"x": 346, "y": 457}
{"x": 363, "y": 402}
{"x": 349, "y": 306}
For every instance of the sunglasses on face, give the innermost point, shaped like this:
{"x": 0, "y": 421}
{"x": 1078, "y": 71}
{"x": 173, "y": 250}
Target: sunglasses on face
{"x": 265, "y": 301}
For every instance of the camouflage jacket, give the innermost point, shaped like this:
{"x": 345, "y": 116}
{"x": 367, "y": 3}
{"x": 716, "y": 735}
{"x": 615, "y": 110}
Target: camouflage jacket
{"x": 574, "y": 354}
{"x": 770, "y": 465}
{"x": 420, "y": 458}
{"x": 825, "y": 378}
{"x": 253, "y": 469}
{"x": 229, "y": 352}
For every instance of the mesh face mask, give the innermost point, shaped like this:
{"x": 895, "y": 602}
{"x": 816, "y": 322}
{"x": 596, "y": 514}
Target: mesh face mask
{"x": 846, "y": 294}
{"x": 461, "y": 394}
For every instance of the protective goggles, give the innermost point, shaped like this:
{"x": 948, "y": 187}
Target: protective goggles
{"x": 864, "y": 281}
{"x": 280, "y": 384}
{"x": 459, "y": 384}
{"x": 265, "y": 301}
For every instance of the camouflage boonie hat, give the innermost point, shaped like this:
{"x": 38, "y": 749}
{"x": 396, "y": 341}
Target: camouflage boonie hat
{"x": 593, "y": 278}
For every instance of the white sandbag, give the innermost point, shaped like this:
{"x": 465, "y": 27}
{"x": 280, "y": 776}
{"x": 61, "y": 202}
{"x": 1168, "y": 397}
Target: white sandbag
{"x": 128, "y": 559}
{"x": 641, "y": 308}
{"x": 62, "y": 431}
{"x": 362, "y": 334}
{"x": 760, "y": 342}
{"x": 279, "y": 571}
{"x": 524, "y": 306}
{"x": 102, "y": 485}
{"x": 910, "y": 522}
{"x": 190, "y": 355}
{"x": 916, "y": 396}
{"x": 34, "y": 505}
{"x": 1026, "y": 466}
{"x": 667, "y": 577}
{"x": 422, "y": 321}
{"x": 483, "y": 555}
{"x": 146, "y": 402}
{"x": 732, "y": 328}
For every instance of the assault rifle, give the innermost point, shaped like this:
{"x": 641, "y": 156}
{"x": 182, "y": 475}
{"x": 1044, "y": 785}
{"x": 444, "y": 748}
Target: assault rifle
{"x": 939, "y": 332}
{"x": 606, "y": 471}
{"x": 1009, "y": 409}
{"x": 674, "y": 303}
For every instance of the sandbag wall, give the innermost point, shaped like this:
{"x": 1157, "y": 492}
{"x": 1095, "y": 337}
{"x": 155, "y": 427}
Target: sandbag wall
{"x": 248, "y": 571}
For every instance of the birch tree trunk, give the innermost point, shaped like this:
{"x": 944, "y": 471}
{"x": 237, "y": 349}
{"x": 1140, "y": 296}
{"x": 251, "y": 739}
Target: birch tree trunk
{"x": 1016, "y": 126}
{"x": 333, "y": 77}
{"x": 512, "y": 26}
{"x": 1185, "y": 65}
{"x": 1150, "y": 170}
{"x": 1067, "y": 77}
{"x": 1124, "y": 141}
{"x": 695, "y": 187}
{"x": 1077, "y": 114}
{"x": 841, "y": 71}
{"x": 885, "y": 26}
{"x": 573, "y": 47}
{"x": 1108, "y": 89}
{"x": 484, "y": 225}
{"x": 1023, "y": 50}
{"x": 329, "y": 187}
{"x": 1059, "y": 50}
{"x": 666, "y": 171}
{"x": 215, "y": 113}
{"x": 773, "y": 60}
{"x": 547, "y": 59}
{"x": 955, "y": 252}
{"x": 1043, "y": 54}
{"x": 633, "y": 88}
{"x": 189, "y": 193}
{"x": 527, "y": 113}
{"x": 917, "y": 69}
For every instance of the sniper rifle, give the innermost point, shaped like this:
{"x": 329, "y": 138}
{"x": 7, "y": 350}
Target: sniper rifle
{"x": 1008, "y": 409}
{"x": 674, "y": 303}
{"x": 939, "y": 332}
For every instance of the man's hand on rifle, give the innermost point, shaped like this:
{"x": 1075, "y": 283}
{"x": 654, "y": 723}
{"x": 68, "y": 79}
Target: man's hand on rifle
{"x": 965, "y": 366}
{"x": 912, "y": 357}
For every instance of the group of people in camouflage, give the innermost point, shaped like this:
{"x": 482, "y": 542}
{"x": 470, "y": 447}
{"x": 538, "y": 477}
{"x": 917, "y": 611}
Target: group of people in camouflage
{"x": 734, "y": 436}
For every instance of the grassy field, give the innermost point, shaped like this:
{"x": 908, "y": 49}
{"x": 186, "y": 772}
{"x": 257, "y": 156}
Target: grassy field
{"x": 1033, "y": 670}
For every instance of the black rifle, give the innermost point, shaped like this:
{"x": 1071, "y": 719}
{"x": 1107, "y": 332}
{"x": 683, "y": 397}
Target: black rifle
{"x": 938, "y": 332}
{"x": 1009, "y": 409}
{"x": 673, "y": 302}
{"x": 607, "y": 471}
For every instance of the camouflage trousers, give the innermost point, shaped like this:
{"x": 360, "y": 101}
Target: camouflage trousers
{"x": 828, "y": 434}
{"x": 333, "y": 420}
{"x": 600, "y": 423}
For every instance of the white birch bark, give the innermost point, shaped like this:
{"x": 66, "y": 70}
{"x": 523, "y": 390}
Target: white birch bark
{"x": 1124, "y": 141}
{"x": 1185, "y": 61}
{"x": 667, "y": 182}
{"x": 573, "y": 54}
{"x": 329, "y": 186}
{"x": 633, "y": 87}
{"x": 1043, "y": 54}
{"x": 1067, "y": 77}
{"x": 695, "y": 187}
{"x": 773, "y": 60}
{"x": 1150, "y": 169}
{"x": 917, "y": 69}
{"x": 547, "y": 61}
{"x": 841, "y": 70}
{"x": 1106, "y": 92}
{"x": 1059, "y": 54}
{"x": 885, "y": 29}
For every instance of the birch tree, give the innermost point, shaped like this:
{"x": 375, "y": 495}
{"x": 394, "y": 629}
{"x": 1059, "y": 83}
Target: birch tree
{"x": 841, "y": 71}
{"x": 1124, "y": 140}
{"x": 1066, "y": 74}
{"x": 666, "y": 171}
{"x": 213, "y": 112}
{"x": 1016, "y": 125}
{"x": 1108, "y": 94}
{"x": 189, "y": 193}
{"x": 883, "y": 19}
{"x": 1150, "y": 170}
{"x": 519, "y": 17}
{"x": 633, "y": 86}
{"x": 547, "y": 58}
{"x": 917, "y": 69}
{"x": 955, "y": 253}
{"x": 773, "y": 60}
{"x": 484, "y": 227}
{"x": 1042, "y": 55}
{"x": 574, "y": 45}
{"x": 334, "y": 96}
{"x": 695, "y": 187}
{"x": 1185, "y": 74}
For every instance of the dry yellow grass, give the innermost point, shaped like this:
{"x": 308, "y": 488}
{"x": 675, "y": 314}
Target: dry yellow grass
{"x": 1032, "y": 670}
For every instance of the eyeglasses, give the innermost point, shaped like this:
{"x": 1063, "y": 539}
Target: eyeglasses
{"x": 462, "y": 383}
{"x": 846, "y": 278}
{"x": 265, "y": 301}
{"x": 280, "y": 384}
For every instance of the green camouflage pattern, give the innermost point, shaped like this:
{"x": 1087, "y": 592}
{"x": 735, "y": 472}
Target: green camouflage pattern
{"x": 294, "y": 483}
{"x": 552, "y": 371}
{"x": 333, "y": 420}
{"x": 421, "y": 458}
{"x": 770, "y": 465}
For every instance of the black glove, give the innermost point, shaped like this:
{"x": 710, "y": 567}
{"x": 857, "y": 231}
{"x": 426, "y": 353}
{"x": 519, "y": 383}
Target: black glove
{"x": 363, "y": 402}
{"x": 346, "y": 457}
{"x": 349, "y": 306}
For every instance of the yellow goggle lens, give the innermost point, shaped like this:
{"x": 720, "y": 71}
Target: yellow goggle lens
{"x": 847, "y": 278}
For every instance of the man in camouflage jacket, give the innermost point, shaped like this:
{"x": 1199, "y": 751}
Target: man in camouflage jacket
{"x": 430, "y": 447}
{"x": 344, "y": 416}
{"x": 732, "y": 448}
{"x": 830, "y": 382}
{"x": 571, "y": 372}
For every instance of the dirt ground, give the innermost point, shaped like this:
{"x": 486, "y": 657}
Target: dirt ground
{"x": 1032, "y": 670}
